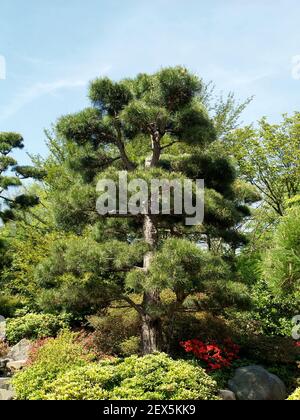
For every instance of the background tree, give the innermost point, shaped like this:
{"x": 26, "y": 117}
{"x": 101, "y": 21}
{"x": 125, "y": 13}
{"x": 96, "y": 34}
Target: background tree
{"x": 281, "y": 262}
{"x": 15, "y": 204}
{"x": 154, "y": 126}
{"x": 11, "y": 175}
{"x": 269, "y": 158}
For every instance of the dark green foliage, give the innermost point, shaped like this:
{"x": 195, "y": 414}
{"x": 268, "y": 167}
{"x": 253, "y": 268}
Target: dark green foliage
{"x": 114, "y": 328}
{"x": 180, "y": 266}
{"x": 217, "y": 171}
{"x": 273, "y": 312}
{"x": 83, "y": 276}
{"x": 8, "y": 206}
{"x": 31, "y": 172}
{"x": 86, "y": 127}
{"x": 109, "y": 97}
{"x": 10, "y": 141}
{"x": 153, "y": 127}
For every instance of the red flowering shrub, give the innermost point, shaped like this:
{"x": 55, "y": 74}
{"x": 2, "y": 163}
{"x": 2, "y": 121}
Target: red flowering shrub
{"x": 87, "y": 341}
{"x": 215, "y": 355}
{"x": 34, "y": 349}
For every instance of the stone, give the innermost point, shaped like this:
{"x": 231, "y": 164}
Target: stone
{"x": 227, "y": 395}
{"x": 16, "y": 366}
{"x": 254, "y": 383}
{"x": 2, "y": 328}
{"x": 5, "y": 383}
{"x": 20, "y": 351}
{"x": 3, "y": 363}
{"x": 6, "y": 395}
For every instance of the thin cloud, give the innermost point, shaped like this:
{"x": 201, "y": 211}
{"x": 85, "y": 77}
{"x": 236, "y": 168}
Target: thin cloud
{"x": 34, "y": 92}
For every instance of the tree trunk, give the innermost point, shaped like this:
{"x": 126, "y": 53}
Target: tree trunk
{"x": 151, "y": 324}
{"x": 151, "y": 327}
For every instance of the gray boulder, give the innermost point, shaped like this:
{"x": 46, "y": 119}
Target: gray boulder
{"x": 6, "y": 395}
{"x": 254, "y": 383}
{"x": 3, "y": 363}
{"x": 5, "y": 383}
{"x": 20, "y": 351}
{"x": 227, "y": 395}
{"x": 2, "y": 328}
{"x": 14, "y": 367}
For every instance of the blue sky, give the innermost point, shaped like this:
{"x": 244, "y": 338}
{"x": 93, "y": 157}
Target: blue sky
{"x": 53, "y": 48}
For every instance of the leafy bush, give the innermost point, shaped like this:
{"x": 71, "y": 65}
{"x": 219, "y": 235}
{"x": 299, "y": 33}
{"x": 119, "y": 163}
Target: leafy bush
{"x": 131, "y": 346}
{"x": 114, "y": 329}
{"x": 272, "y": 311}
{"x": 34, "y": 326}
{"x": 9, "y": 305}
{"x": 289, "y": 374}
{"x": 186, "y": 326}
{"x": 153, "y": 377}
{"x": 295, "y": 396}
{"x": 271, "y": 350}
{"x": 55, "y": 357}
{"x": 281, "y": 263}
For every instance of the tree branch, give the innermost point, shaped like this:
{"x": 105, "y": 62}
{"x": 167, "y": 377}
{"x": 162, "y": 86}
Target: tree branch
{"x": 169, "y": 145}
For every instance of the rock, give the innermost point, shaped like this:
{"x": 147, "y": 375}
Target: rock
{"x": 227, "y": 395}
{"x": 20, "y": 351}
{"x": 3, "y": 363}
{"x": 3, "y": 366}
{"x": 5, "y": 383}
{"x": 2, "y": 328}
{"x": 16, "y": 366}
{"x": 6, "y": 395}
{"x": 254, "y": 383}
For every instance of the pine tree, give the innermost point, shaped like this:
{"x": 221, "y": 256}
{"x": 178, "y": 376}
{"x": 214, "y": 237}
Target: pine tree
{"x": 153, "y": 126}
{"x": 11, "y": 176}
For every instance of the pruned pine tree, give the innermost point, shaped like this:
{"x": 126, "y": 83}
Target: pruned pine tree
{"x": 11, "y": 176}
{"x": 153, "y": 126}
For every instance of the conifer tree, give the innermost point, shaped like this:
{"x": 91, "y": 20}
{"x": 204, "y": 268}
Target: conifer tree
{"x": 11, "y": 176}
{"x": 153, "y": 126}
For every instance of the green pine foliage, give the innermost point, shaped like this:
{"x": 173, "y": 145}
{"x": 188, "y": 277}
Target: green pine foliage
{"x": 153, "y": 126}
{"x": 11, "y": 176}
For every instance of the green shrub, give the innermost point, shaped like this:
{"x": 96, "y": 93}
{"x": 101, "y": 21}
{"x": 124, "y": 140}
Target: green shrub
{"x": 289, "y": 374}
{"x": 34, "y": 326}
{"x": 295, "y": 396}
{"x": 185, "y": 326}
{"x": 131, "y": 346}
{"x": 271, "y": 350}
{"x": 114, "y": 328}
{"x": 56, "y": 357}
{"x": 272, "y": 311}
{"x": 153, "y": 377}
{"x": 9, "y": 305}
{"x": 281, "y": 263}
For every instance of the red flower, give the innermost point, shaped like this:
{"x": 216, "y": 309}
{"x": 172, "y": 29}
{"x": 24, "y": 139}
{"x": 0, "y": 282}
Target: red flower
{"x": 215, "y": 355}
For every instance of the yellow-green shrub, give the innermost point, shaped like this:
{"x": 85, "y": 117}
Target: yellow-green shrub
{"x": 153, "y": 377}
{"x": 34, "y": 326}
{"x": 131, "y": 346}
{"x": 295, "y": 396}
{"x": 113, "y": 329}
{"x": 57, "y": 356}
